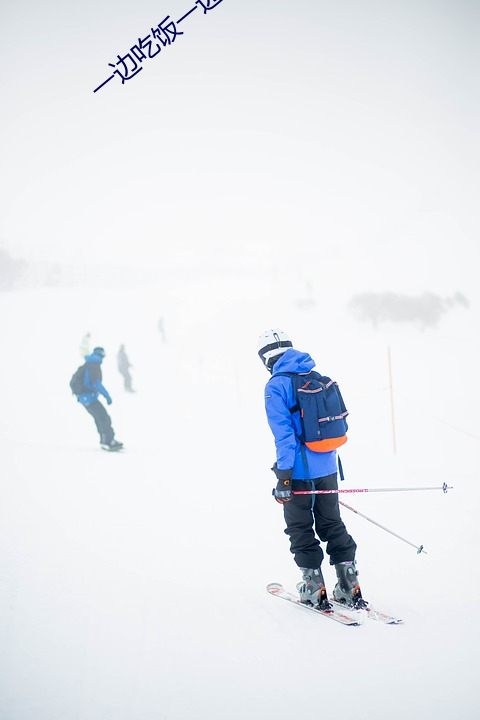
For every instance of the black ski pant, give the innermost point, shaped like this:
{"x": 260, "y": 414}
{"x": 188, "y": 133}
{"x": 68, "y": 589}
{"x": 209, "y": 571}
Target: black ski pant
{"x": 310, "y": 517}
{"x": 102, "y": 421}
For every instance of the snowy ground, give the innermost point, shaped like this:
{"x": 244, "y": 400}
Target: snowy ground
{"x": 133, "y": 585}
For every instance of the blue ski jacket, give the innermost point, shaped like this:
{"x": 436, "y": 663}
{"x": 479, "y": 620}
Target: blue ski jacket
{"x": 93, "y": 381}
{"x": 285, "y": 426}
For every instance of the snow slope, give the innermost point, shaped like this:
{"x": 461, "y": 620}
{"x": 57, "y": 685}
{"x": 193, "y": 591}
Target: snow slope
{"x": 133, "y": 585}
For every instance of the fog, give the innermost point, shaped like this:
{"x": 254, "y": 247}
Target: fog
{"x": 306, "y": 165}
{"x": 348, "y": 131}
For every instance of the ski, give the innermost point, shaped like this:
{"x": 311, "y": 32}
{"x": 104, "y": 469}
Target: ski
{"x": 371, "y": 613}
{"x": 336, "y": 613}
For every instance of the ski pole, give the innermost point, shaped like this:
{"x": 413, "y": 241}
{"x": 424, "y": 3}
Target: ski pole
{"x": 419, "y": 548}
{"x": 443, "y": 487}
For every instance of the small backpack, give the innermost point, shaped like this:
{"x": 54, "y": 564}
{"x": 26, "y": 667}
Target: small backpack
{"x": 322, "y": 411}
{"x": 78, "y": 378}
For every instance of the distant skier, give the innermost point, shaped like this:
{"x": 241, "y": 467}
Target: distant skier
{"x": 161, "y": 329}
{"x": 124, "y": 366}
{"x": 85, "y": 345}
{"x": 87, "y": 386}
{"x": 300, "y": 468}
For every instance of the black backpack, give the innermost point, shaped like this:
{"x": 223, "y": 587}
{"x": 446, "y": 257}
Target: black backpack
{"x": 77, "y": 382}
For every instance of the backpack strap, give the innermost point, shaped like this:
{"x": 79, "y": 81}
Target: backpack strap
{"x": 304, "y": 458}
{"x": 293, "y": 377}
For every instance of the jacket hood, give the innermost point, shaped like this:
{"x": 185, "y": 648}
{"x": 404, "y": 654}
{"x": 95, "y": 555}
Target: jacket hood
{"x": 93, "y": 358}
{"x": 293, "y": 361}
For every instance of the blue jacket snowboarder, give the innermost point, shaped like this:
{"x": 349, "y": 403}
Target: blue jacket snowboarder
{"x": 309, "y": 518}
{"x": 88, "y": 397}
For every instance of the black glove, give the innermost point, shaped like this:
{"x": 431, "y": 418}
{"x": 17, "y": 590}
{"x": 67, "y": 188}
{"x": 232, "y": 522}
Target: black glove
{"x": 283, "y": 492}
{"x": 282, "y": 474}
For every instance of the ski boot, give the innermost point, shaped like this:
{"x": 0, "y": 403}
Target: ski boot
{"x": 312, "y": 589}
{"x": 347, "y": 590}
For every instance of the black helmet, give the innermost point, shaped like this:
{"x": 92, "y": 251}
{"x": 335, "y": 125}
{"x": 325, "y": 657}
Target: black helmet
{"x": 99, "y": 351}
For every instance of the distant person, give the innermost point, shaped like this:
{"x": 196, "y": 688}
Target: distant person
{"x": 124, "y": 368}
{"x": 87, "y": 385}
{"x": 310, "y": 466}
{"x": 85, "y": 345}
{"x": 161, "y": 329}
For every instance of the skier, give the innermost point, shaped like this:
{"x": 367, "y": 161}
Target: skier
{"x": 85, "y": 345}
{"x": 123, "y": 364}
{"x": 92, "y": 388}
{"x": 308, "y": 518}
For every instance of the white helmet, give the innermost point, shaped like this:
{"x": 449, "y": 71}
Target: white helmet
{"x": 271, "y": 344}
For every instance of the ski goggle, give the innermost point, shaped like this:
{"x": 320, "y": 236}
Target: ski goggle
{"x": 270, "y": 351}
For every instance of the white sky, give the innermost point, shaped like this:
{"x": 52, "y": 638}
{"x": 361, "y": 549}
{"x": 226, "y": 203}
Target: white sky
{"x": 341, "y": 128}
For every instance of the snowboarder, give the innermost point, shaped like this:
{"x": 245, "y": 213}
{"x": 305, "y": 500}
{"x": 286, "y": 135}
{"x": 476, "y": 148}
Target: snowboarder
{"x": 88, "y": 397}
{"x": 123, "y": 364}
{"x": 308, "y": 518}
